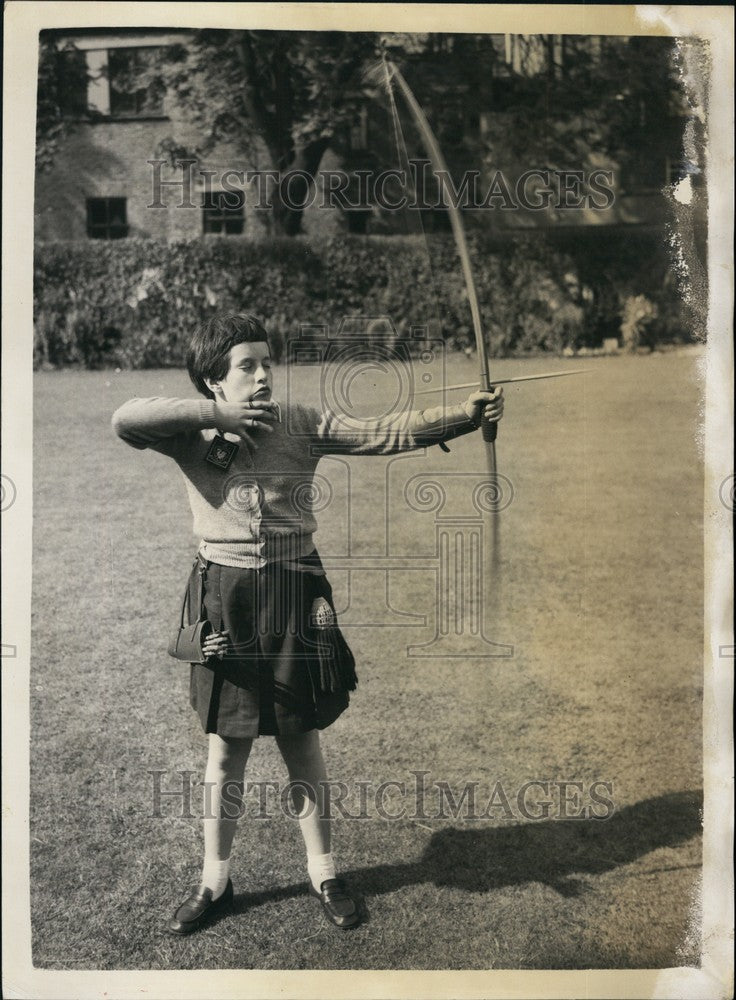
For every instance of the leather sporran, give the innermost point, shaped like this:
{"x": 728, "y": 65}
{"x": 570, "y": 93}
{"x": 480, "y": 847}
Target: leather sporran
{"x": 336, "y": 662}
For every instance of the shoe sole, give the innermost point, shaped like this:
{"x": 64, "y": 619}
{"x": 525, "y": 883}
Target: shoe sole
{"x": 200, "y": 922}
{"x": 196, "y": 925}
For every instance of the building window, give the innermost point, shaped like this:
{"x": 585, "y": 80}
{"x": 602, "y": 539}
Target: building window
{"x": 436, "y": 220}
{"x": 357, "y": 220}
{"x": 132, "y": 91}
{"x": 119, "y": 83}
{"x": 223, "y": 212}
{"x": 107, "y": 218}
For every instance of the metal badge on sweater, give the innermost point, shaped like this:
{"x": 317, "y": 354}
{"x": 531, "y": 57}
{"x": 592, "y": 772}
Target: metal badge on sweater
{"x": 221, "y": 452}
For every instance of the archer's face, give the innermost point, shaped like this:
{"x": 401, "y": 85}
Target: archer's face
{"x": 249, "y": 375}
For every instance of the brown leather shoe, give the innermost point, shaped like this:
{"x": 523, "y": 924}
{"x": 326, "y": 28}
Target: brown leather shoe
{"x": 198, "y": 909}
{"x": 337, "y": 903}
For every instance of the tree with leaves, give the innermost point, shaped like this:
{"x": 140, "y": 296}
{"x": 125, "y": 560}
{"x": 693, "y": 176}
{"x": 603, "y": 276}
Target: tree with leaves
{"x": 506, "y": 103}
{"x": 61, "y": 96}
{"x": 549, "y": 101}
{"x": 292, "y": 94}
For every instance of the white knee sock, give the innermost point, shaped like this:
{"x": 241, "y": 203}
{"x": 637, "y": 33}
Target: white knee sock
{"x": 215, "y": 875}
{"x": 320, "y": 868}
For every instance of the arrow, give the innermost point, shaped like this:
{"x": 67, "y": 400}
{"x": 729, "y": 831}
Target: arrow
{"x": 503, "y": 381}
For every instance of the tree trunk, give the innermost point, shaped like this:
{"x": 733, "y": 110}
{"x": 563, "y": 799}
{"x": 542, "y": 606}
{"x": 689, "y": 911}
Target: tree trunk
{"x": 288, "y": 198}
{"x": 297, "y": 166}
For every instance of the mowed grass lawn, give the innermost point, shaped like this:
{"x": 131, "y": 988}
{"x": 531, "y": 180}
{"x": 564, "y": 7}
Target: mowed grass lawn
{"x": 597, "y": 584}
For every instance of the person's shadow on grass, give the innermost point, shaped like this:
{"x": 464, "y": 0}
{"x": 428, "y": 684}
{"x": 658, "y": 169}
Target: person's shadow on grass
{"x": 550, "y": 851}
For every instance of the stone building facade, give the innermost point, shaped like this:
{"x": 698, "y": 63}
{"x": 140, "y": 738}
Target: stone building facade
{"x": 108, "y": 179}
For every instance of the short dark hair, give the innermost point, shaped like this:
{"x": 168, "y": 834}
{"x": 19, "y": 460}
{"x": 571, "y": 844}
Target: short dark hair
{"x": 208, "y": 354}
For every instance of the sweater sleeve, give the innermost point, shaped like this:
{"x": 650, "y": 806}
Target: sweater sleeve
{"x": 165, "y": 425}
{"x": 387, "y": 435}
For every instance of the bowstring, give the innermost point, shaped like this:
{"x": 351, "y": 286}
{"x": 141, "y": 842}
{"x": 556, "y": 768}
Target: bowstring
{"x": 492, "y": 554}
{"x": 402, "y": 156}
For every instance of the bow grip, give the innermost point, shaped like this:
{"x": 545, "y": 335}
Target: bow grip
{"x": 489, "y": 429}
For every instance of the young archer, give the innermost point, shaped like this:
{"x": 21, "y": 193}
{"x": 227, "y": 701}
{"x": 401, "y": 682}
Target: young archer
{"x": 277, "y": 664}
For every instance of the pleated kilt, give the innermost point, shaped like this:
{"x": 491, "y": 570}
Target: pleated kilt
{"x": 281, "y": 674}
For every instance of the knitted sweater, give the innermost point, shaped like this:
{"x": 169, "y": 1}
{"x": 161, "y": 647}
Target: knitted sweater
{"x": 259, "y": 509}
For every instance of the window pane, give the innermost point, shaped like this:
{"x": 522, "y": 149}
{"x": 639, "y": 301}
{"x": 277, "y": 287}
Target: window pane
{"x": 436, "y": 220}
{"x": 120, "y": 71}
{"x": 107, "y": 218}
{"x": 97, "y": 211}
{"x": 133, "y": 91}
{"x": 230, "y": 201}
{"x": 116, "y": 211}
{"x": 217, "y": 217}
{"x": 358, "y": 221}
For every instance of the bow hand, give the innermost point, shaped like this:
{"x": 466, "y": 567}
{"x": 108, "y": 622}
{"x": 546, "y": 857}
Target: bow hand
{"x": 485, "y": 409}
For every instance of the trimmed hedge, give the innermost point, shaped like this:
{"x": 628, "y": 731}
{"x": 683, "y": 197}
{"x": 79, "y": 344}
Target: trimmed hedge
{"x": 134, "y": 303}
